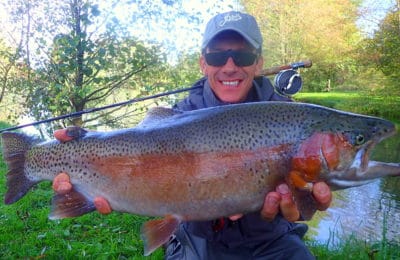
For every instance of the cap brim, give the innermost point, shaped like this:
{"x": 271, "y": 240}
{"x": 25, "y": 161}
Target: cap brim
{"x": 243, "y": 34}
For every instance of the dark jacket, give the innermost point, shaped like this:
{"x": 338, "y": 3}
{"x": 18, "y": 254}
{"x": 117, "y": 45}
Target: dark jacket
{"x": 203, "y": 96}
{"x": 250, "y": 230}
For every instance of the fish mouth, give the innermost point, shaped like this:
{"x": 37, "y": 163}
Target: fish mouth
{"x": 362, "y": 170}
{"x": 362, "y": 157}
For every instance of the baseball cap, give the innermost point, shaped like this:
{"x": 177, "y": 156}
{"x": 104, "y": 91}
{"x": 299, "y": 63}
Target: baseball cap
{"x": 244, "y": 24}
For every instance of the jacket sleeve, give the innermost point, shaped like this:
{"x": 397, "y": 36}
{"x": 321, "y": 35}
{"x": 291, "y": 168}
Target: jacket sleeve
{"x": 266, "y": 92}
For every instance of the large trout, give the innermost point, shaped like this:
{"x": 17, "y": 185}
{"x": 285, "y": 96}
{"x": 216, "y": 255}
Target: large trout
{"x": 203, "y": 164}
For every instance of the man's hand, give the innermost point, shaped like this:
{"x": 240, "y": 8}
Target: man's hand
{"x": 62, "y": 183}
{"x": 281, "y": 200}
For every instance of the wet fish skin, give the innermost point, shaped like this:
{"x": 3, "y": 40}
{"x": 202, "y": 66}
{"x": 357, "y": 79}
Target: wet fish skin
{"x": 202, "y": 164}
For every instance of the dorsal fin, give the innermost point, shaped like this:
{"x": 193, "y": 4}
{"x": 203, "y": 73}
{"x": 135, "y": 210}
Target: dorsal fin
{"x": 154, "y": 115}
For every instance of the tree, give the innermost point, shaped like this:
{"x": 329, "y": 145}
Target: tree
{"x": 8, "y": 71}
{"x": 323, "y": 31}
{"x": 80, "y": 54}
{"x": 86, "y": 62}
{"x": 384, "y": 47}
{"x": 379, "y": 53}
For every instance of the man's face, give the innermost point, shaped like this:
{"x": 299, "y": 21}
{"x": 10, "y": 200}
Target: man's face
{"x": 230, "y": 82}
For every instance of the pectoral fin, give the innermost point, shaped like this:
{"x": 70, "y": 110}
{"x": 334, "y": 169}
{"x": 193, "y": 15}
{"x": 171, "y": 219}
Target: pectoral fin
{"x": 71, "y": 204}
{"x": 157, "y": 232}
{"x": 305, "y": 202}
{"x": 302, "y": 194}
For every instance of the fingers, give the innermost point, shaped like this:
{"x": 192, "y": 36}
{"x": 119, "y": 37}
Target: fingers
{"x": 69, "y": 133}
{"x": 280, "y": 200}
{"x": 62, "y": 135}
{"x": 61, "y": 183}
{"x": 287, "y": 205}
{"x": 102, "y": 205}
{"x": 271, "y": 206}
{"x": 322, "y": 194}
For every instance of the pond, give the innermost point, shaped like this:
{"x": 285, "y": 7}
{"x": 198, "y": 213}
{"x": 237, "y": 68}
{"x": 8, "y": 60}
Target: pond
{"x": 370, "y": 212}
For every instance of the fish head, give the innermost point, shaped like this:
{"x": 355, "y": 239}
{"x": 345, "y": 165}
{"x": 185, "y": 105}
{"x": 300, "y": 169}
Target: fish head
{"x": 336, "y": 151}
{"x": 345, "y": 147}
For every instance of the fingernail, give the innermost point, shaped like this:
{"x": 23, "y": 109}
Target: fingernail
{"x": 283, "y": 189}
{"x": 272, "y": 201}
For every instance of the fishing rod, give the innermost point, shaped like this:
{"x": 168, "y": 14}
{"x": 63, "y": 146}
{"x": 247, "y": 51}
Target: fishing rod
{"x": 292, "y": 66}
{"x": 265, "y": 72}
{"x": 91, "y": 110}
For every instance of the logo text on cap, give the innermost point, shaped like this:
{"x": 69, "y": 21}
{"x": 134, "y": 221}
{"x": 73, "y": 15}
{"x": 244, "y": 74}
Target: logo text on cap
{"x": 230, "y": 18}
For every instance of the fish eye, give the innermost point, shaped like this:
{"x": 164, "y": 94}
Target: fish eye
{"x": 359, "y": 139}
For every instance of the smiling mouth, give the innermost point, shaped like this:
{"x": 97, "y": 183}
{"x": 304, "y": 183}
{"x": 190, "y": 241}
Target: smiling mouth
{"x": 234, "y": 83}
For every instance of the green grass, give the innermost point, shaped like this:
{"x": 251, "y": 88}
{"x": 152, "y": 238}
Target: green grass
{"x": 27, "y": 233}
{"x": 358, "y": 102}
{"x": 353, "y": 249}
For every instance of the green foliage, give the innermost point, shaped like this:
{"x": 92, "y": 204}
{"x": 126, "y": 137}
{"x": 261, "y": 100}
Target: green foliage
{"x": 4, "y": 125}
{"x": 11, "y": 75}
{"x": 323, "y": 31}
{"x": 383, "y": 48}
{"x": 87, "y": 62}
{"x": 85, "y": 70}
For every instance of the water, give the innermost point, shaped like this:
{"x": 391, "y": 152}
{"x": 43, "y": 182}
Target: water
{"x": 370, "y": 212}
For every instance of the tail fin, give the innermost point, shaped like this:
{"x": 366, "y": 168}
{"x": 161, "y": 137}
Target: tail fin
{"x": 15, "y": 147}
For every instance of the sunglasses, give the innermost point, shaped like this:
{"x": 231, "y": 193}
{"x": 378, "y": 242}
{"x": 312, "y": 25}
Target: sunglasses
{"x": 240, "y": 58}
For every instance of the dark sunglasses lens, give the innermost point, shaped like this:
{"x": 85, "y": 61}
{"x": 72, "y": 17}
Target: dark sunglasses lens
{"x": 216, "y": 59}
{"x": 240, "y": 59}
{"x": 243, "y": 59}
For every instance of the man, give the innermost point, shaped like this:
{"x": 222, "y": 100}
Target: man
{"x": 230, "y": 60}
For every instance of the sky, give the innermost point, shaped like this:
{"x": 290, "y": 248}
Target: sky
{"x": 373, "y": 11}
{"x": 181, "y": 34}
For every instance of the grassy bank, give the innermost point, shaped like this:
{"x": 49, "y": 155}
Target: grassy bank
{"x": 358, "y": 102}
{"x": 27, "y": 233}
{"x": 355, "y": 249}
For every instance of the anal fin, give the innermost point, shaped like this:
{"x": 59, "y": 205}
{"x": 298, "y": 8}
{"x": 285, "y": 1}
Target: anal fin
{"x": 157, "y": 232}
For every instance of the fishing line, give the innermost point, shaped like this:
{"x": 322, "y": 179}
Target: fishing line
{"x": 91, "y": 110}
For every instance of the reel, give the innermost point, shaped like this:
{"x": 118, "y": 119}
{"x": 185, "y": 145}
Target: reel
{"x": 288, "y": 82}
